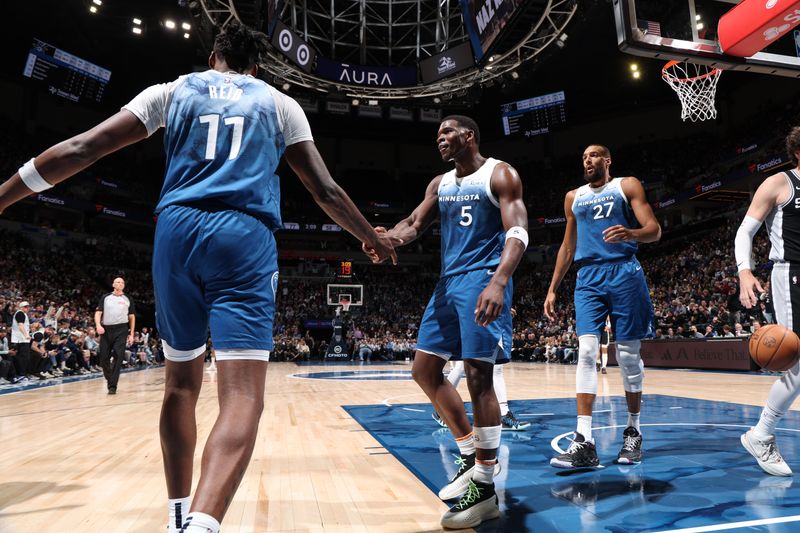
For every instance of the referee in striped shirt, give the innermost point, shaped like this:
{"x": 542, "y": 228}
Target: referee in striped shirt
{"x": 115, "y": 321}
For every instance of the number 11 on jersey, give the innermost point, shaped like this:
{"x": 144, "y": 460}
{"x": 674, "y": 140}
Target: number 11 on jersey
{"x": 213, "y": 130}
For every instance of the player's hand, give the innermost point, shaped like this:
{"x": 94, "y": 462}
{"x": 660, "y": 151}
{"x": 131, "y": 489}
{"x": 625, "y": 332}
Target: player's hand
{"x": 130, "y": 340}
{"x": 100, "y": 330}
{"x": 385, "y": 238}
{"x": 618, "y": 233}
{"x": 489, "y": 304}
{"x": 550, "y": 306}
{"x": 748, "y": 285}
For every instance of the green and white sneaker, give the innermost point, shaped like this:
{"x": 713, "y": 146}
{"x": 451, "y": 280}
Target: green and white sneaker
{"x": 478, "y": 504}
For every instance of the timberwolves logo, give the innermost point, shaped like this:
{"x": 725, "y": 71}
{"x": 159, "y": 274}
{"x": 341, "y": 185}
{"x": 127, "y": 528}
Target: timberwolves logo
{"x": 274, "y": 284}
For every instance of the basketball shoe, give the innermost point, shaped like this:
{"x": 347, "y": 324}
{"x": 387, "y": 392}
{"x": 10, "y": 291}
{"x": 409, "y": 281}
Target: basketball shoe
{"x": 510, "y": 423}
{"x": 580, "y": 454}
{"x": 631, "y": 452}
{"x": 439, "y": 419}
{"x": 461, "y": 480}
{"x": 766, "y": 453}
{"x": 478, "y": 504}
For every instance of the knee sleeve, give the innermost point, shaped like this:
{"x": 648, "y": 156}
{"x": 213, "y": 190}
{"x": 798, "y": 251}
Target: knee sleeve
{"x": 630, "y": 365}
{"x": 586, "y": 376}
{"x": 500, "y": 386}
{"x": 456, "y": 374}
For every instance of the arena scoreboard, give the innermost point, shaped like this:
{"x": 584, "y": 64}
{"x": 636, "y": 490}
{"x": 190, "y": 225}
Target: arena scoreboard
{"x": 534, "y": 116}
{"x": 66, "y": 75}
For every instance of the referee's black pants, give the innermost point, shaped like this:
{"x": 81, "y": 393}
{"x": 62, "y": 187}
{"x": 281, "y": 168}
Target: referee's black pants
{"x": 113, "y": 340}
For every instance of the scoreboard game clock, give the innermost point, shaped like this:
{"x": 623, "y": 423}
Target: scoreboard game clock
{"x": 345, "y": 269}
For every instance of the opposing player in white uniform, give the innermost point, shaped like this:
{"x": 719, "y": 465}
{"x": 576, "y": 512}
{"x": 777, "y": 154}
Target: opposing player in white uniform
{"x": 776, "y": 202}
{"x": 606, "y": 219}
{"x": 225, "y": 134}
{"x": 484, "y": 235}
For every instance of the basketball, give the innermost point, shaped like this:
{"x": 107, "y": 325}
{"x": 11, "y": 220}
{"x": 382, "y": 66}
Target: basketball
{"x": 774, "y": 347}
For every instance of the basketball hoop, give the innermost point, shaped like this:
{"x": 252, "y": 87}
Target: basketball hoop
{"x": 345, "y": 303}
{"x": 696, "y": 86}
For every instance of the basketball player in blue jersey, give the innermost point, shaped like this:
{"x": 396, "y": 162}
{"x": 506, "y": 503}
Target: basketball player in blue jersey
{"x": 606, "y": 219}
{"x": 484, "y": 236}
{"x": 776, "y": 202}
{"x": 214, "y": 261}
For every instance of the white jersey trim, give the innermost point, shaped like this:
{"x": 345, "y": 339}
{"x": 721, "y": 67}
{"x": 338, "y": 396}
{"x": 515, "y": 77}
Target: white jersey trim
{"x": 150, "y": 107}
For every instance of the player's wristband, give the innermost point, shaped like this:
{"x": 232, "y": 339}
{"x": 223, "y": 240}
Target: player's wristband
{"x": 32, "y": 179}
{"x": 518, "y": 232}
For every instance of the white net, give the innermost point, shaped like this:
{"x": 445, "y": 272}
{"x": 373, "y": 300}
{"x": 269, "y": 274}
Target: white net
{"x": 696, "y": 86}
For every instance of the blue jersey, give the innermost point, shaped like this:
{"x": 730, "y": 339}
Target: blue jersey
{"x": 223, "y": 144}
{"x": 598, "y": 209}
{"x": 472, "y": 229}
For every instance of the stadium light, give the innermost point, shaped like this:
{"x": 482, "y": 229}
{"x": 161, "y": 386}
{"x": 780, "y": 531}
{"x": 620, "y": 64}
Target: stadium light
{"x": 286, "y": 87}
{"x": 137, "y": 21}
{"x": 137, "y": 30}
{"x": 372, "y": 102}
{"x": 186, "y": 26}
{"x": 97, "y": 2}
{"x": 514, "y": 74}
{"x": 437, "y": 100}
{"x": 634, "y": 67}
{"x": 700, "y": 26}
{"x": 170, "y": 24}
{"x": 637, "y": 75}
{"x": 92, "y": 9}
{"x": 186, "y": 35}
{"x": 355, "y": 102}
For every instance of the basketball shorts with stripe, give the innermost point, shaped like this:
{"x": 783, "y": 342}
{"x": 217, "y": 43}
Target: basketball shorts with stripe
{"x": 448, "y": 327}
{"x": 214, "y": 271}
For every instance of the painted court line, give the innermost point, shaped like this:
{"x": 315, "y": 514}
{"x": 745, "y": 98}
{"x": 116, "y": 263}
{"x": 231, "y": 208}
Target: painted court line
{"x": 735, "y": 525}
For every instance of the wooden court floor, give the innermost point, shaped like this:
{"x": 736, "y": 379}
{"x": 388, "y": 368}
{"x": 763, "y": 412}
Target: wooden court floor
{"x": 74, "y": 459}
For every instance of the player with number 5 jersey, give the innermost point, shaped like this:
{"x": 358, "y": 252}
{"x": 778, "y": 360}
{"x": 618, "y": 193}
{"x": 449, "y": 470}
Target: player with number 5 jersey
{"x": 215, "y": 264}
{"x": 606, "y": 219}
{"x": 484, "y": 235}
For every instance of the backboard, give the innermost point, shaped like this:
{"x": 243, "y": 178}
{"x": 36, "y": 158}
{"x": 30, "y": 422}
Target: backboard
{"x": 686, "y": 30}
{"x": 350, "y": 292}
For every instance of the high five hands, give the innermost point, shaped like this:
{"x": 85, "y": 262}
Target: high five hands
{"x": 384, "y": 248}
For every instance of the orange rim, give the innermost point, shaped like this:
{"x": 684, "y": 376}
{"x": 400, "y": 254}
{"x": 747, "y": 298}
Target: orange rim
{"x": 667, "y": 75}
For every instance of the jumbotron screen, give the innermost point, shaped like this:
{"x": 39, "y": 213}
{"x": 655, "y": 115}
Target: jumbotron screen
{"x": 65, "y": 74}
{"x": 534, "y": 116}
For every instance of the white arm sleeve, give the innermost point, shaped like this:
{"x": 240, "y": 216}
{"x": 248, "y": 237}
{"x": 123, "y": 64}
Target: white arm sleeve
{"x": 150, "y": 105}
{"x": 743, "y": 244}
{"x": 292, "y": 119}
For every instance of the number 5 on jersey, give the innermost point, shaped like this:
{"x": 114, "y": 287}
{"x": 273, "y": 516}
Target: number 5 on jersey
{"x": 213, "y": 129}
{"x": 466, "y": 216}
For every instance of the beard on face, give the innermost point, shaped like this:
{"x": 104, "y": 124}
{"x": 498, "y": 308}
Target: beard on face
{"x": 600, "y": 173}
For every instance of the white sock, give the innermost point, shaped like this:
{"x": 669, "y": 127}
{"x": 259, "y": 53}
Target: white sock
{"x": 633, "y": 421}
{"x": 178, "y": 509}
{"x": 466, "y": 444}
{"x": 484, "y": 471}
{"x": 200, "y": 523}
{"x": 503, "y": 408}
{"x": 767, "y": 423}
{"x": 585, "y": 426}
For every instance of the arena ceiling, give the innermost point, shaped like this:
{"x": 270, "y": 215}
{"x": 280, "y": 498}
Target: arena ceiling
{"x": 390, "y": 34}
